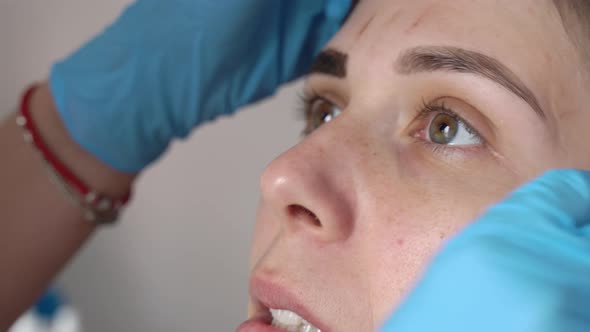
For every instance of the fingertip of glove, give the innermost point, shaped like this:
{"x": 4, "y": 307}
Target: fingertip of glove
{"x": 574, "y": 179}
{"x": 560, "y": 196}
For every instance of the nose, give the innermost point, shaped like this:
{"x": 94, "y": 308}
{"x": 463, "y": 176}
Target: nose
{"x": 310, "y": 188}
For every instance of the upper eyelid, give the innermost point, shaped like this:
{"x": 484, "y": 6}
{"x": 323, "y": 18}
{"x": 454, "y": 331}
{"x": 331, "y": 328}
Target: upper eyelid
{"x": 475, "y": 119}
{"x": 331, "y": 89}
{"x": 457, "y": 117}
{"x": 427, "y": 109}
{"x": 310, "y": 97}
{"x": 307, "y": 97}
{"x": 312, "y": 92}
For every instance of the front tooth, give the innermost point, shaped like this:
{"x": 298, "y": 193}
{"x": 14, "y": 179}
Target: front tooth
{"x": 291, "y": 322}
{"x": 286, "y": 317}
{"x": 309, "y": 328}
{"x": 291, "y": 318}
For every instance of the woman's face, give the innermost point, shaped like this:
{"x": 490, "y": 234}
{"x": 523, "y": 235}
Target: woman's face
{"x": 430, "y": 112}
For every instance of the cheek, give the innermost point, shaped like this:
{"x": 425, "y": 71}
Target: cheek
{"x": 419, "y": 216}
{"x": 400, "y": 251}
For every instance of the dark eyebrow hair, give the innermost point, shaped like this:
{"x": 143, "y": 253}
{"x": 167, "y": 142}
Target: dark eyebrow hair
{"x": 435, "y": 58}
{"x": 454, "y": 59}
{"x": 330, "y": 62}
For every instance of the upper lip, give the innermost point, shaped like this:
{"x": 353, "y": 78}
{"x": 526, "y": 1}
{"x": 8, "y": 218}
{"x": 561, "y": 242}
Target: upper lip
{"x": 268, "y": 294}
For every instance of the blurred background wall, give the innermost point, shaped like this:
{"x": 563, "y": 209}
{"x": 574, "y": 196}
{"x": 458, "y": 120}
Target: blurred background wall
{"x": 178, "y": 259}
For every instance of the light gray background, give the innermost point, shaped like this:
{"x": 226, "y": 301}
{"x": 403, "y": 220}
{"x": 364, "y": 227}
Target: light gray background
{"x": 178, "y": 260}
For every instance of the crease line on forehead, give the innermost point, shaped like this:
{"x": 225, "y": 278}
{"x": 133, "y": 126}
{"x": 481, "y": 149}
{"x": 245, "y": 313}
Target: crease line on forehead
{"x": 455, "y": 59}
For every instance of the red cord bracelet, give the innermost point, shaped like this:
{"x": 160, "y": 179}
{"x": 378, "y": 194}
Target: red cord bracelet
{"x": 97, "y": 207}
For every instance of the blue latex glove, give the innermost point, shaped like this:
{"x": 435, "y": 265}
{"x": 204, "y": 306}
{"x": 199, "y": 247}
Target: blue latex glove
{"x": 523, "y": 267}
{"x": 166, "y": 66}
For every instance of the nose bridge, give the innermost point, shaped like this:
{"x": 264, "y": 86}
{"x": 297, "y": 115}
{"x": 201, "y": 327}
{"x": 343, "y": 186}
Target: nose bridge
{"x": 311, "y": 186}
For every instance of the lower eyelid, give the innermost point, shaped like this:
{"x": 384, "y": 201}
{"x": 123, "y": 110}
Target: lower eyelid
{"x": 454, "y": 154}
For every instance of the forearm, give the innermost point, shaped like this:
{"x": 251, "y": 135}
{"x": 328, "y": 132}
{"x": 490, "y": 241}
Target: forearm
{"x": 40, "y": 229}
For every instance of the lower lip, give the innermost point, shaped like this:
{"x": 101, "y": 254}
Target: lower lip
{"x": 259, "y": 324}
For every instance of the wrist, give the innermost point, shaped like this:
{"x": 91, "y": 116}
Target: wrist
{"x": 92, "y": 171}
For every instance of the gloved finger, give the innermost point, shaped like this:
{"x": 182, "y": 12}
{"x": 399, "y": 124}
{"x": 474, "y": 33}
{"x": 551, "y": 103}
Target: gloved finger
{"x": 523, "y": 266}
{"x": 556, "y": 203}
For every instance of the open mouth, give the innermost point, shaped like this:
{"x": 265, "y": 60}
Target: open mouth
{"x": 290, "y": 321}
{"x": 278, "y": 309}
{"x": 277, "y": 320}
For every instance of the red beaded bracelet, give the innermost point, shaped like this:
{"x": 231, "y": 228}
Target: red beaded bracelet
{"x": 97, "y": 207}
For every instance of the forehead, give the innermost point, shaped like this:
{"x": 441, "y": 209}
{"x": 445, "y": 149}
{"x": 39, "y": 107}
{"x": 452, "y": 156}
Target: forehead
{"x": 480, "y": 23}
{"x": 526, "y": 35}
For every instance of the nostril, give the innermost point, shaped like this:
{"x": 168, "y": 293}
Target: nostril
{"x": 298, "y": 211}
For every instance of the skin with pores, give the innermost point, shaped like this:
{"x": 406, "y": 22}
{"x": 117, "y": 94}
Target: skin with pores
{"x": 350, "y": 216}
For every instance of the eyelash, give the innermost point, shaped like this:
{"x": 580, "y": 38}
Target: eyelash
{"x": 306, "y": 99}
{"x": 304, "y": 109}
{"x": 426, "y": 108}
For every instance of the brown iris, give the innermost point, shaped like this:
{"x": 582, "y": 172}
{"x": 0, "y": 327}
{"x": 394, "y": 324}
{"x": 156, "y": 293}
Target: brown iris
{"x": 443, "y": 129}
{"x": 320, "y": 112}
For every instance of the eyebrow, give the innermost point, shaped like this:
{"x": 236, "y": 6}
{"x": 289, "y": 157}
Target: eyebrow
{"x": 330, "y": 62}
{"x": 439, "y": 58}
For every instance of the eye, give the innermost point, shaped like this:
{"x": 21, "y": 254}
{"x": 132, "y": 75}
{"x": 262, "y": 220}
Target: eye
{"x": 319, "y": 111}
{"x": 446, "y": 128}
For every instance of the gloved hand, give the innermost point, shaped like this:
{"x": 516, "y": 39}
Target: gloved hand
{"x": 166, "y": 66}
{"x": 523, "y": 267}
